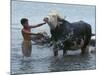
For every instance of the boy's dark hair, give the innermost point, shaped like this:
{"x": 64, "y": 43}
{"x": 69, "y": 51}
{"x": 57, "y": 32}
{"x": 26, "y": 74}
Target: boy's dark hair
{"x": 23, "y": 20}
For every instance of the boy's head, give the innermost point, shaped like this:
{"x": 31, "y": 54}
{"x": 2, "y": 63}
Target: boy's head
{"x": 24, "y": 21}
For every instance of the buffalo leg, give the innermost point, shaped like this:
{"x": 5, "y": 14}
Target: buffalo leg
{"x": 87, "y": 39}
{"x": 55, "y": 50}
{"x": 85, "y": 48}
{"x": 55, "y": 53}
{"x": 64, "y": 52}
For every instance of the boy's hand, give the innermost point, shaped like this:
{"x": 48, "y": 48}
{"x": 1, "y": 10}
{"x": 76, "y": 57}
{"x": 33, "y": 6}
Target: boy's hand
{"x": 39, "y": 34}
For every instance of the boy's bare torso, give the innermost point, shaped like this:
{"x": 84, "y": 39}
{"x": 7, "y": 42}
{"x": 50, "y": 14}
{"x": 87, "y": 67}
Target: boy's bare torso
{"x": 26, "y": 36}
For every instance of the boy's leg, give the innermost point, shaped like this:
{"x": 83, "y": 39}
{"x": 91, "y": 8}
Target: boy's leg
{"x": 26, "y": 48}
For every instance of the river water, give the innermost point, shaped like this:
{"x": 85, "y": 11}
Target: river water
{"x": 42, "y": 59}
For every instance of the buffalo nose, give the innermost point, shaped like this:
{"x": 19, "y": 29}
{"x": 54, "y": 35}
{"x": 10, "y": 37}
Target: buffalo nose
{"x": 45, "y": 19}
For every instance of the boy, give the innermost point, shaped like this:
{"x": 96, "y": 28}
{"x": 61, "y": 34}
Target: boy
{"x": 26, "y": 33}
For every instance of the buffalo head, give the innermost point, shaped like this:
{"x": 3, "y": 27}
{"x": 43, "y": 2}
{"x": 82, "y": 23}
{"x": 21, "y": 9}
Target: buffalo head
{"x": 53, "y": 20}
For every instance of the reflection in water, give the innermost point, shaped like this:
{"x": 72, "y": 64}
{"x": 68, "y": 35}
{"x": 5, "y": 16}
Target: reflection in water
{"x": 73, "y": 62}
{"x": 42, "y": 60}
{"x": 26, "y": 66}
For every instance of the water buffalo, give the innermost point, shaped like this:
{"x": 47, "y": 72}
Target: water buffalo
{"x": 68, "y": 36}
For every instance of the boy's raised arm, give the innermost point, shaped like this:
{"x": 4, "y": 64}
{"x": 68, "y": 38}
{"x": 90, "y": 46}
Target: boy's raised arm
{"x": 38, "y": 25}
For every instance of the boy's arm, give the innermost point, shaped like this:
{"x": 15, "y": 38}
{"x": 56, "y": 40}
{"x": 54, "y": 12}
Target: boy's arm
{"x": 27, "y": 32}
{"x": 38, "y": 25}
